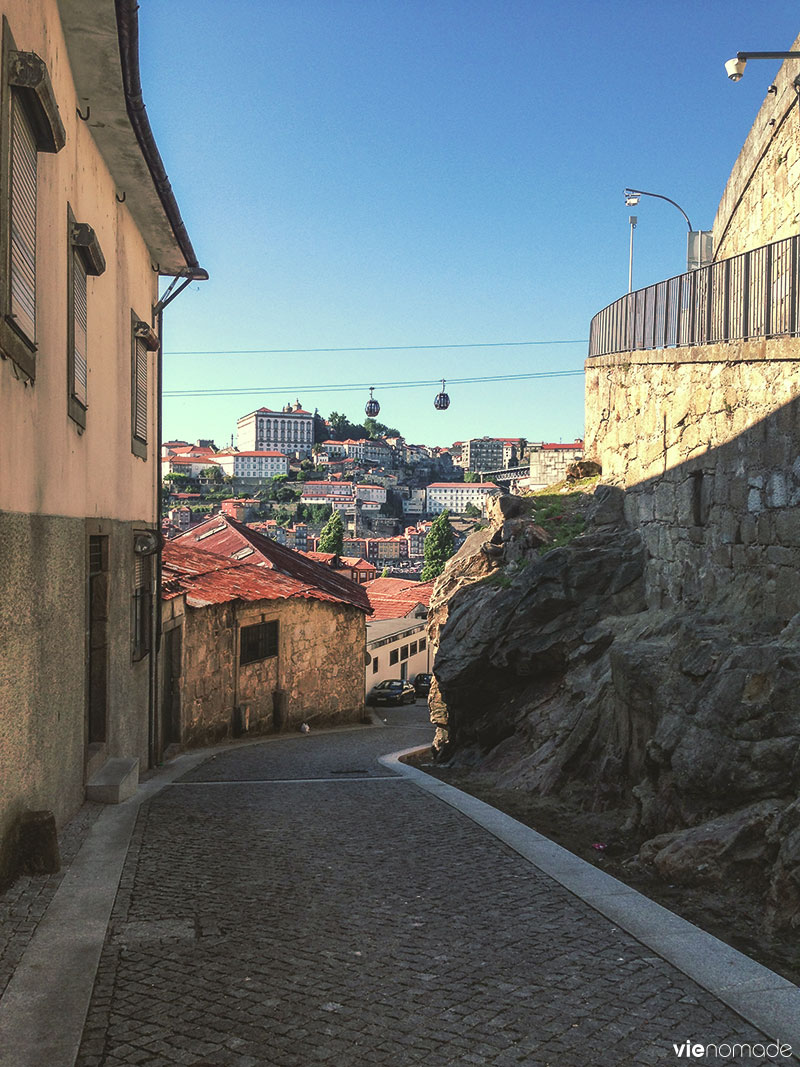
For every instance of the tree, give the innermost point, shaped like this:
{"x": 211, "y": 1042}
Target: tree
{"x": 332, "y": 537}
{"x": 471, "y": 476}
{"x": 439, "y": 547}
{"x": 177, "y": 482}
{"x": 319, "y": 513}
{"x": 472, "y": 512}
{"x": 379, "y": 429}
{"x": 213, "y": 473}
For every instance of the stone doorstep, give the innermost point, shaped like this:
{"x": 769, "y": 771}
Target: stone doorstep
{"x": 117, "y": 780}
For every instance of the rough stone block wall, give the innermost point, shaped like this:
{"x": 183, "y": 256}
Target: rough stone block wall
{"x": 550, "y": 466}
{"x": 320, "y": 665}
{"x": 761, "y": 202}
{"x": 705, "y": 445}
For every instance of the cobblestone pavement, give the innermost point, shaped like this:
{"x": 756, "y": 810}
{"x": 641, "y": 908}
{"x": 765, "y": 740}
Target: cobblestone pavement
{"x": 24, "y": 902}
{"x": 353, "y": 920}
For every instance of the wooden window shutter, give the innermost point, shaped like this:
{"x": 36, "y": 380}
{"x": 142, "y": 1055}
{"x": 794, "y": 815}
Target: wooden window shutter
{"x": 23, "y": 220}
{"x": 140, "y": 390}
{"x": 79, "y": 366}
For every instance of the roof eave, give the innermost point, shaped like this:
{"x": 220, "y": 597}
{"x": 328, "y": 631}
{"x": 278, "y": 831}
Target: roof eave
{"x": 102, "y": 39}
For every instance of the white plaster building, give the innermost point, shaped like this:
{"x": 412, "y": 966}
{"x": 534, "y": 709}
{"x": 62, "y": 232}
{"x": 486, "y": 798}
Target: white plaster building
{"x": 289, "y": 430}
{"x": 455, "y": 496}
{"x": 253, "y": 464}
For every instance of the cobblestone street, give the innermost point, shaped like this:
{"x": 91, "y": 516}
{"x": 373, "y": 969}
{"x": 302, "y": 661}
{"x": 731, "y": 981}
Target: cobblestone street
{"x": 297, "y": 901}
{"x": 294, "y": 902}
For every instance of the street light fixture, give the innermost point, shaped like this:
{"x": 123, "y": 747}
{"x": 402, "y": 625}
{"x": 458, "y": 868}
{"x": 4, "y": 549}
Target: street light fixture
{"x": 698, "y": 249}
{"x": 735, "y": 67}
{"x": 632, "y": 198}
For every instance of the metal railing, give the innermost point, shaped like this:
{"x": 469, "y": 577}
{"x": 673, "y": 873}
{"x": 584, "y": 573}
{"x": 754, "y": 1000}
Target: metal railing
{"x": 754, "y": 294}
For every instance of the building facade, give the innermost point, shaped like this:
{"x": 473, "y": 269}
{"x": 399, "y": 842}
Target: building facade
{"x": 249, "y": 648}
{"x": 456, "y": 496}
{"x": 255, "y": 465}
{"x": 290, "y": 430}
{"x": 82, "y": 223}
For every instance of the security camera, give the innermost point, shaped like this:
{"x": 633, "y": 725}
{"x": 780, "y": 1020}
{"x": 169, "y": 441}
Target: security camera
{"x": 734, "y": 68}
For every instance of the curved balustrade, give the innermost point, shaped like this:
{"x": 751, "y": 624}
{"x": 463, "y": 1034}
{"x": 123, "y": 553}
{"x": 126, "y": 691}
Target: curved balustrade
{"x": 754, "y": 294}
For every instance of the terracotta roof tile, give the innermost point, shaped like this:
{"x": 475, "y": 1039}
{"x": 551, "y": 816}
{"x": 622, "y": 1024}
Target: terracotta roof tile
{"x": 224, "y": 536}
{"x": 395, "y": 598}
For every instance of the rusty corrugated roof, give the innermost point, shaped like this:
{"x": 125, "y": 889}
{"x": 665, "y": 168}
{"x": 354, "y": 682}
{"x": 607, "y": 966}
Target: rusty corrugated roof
{"x": 224, "y": 536}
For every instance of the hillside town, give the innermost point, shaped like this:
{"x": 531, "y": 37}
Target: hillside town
{"x": 286, "y": 476}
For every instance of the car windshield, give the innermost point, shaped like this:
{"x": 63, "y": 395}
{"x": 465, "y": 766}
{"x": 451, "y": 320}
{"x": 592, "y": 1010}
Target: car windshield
{"x": 390, "y": 685}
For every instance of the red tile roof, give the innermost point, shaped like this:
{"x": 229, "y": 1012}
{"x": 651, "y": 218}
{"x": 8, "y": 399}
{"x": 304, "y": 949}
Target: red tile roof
{"x": 395, "y": 598}
{"x": 571, "y": 445}
{"x": 224, "y": 536}
{"x": 206, "y": 578}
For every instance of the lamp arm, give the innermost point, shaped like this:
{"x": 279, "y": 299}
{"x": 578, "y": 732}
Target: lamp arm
{"x": 641, "y": 192}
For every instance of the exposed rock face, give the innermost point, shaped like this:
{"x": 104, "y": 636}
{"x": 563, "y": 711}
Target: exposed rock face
{"x": 551, "y": 672}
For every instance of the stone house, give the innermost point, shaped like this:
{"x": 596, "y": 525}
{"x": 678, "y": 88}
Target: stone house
{"x": 85, "y": 213}
{"x": 256, "y": 641}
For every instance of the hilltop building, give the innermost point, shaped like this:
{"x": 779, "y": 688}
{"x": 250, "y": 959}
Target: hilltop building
{"x": 290, "y": 430}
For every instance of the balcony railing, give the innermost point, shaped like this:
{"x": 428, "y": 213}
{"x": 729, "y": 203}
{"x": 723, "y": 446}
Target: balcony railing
{"x": 751, "y": 295}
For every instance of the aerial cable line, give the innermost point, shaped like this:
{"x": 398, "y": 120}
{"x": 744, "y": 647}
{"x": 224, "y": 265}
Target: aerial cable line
{"x": 366, "y": 348}
{"x": 356, "y": 386}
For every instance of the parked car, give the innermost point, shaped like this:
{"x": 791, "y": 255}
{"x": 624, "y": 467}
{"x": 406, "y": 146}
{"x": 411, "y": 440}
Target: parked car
{"x": 392, "y": 691}
{"x": 422, "y": 684}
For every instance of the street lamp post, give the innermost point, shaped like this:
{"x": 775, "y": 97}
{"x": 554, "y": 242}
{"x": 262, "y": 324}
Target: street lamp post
{"x": 632, "y": 220}
{"x": 698, "y": 242}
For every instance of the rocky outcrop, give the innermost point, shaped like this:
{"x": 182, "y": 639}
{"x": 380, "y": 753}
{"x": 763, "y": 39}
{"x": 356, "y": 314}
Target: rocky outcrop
{"x": 551, "y": 673}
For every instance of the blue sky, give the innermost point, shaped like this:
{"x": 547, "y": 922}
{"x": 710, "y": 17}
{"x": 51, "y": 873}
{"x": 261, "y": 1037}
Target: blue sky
{"x": 384, "y": 173}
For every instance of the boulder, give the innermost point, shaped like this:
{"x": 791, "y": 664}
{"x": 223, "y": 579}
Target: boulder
{"x": 734, "y": 845}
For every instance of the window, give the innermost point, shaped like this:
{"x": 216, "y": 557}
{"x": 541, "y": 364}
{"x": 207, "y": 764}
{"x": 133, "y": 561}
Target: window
{"x": 374, "y": 664}
{"x": 142, "y": 605}
{"x": 393, "y": 657}
{"x": 404, "y": 652}
{"x": 30, "y": 124}
{"x": 143, "y": 341}
{"x": 258, "y": 642}
{"x": 413, "y": 649}
{"x": 84, "y": 257}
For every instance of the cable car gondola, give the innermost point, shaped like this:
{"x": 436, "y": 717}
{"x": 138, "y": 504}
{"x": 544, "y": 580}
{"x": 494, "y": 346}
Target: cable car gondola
{"x": 373, "y": 407}
{"x": 442, "y": 401}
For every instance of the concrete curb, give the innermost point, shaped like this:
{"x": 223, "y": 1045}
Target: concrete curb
{"x": 761, "y": 997}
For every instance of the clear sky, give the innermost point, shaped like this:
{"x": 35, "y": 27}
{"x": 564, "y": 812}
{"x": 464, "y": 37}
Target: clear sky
{"x": 366, "y": 174}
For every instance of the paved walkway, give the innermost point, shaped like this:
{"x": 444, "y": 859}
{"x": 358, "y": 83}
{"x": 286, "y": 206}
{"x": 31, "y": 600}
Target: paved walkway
{"x": 298, "y": 902}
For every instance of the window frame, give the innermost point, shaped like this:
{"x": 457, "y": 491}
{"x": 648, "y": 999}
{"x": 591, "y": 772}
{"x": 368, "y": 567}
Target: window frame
{"x": 23, "y": 79}
{"x": 141, "y": 607}
{"x": 262, "y": 645}
{"x": 84, "y": 259}
{"x": 143, "y": 341}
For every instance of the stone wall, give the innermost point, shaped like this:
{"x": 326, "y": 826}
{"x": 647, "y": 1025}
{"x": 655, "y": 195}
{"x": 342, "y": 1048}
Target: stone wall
{"x": 549, "y": 465}
{"x": 705, "y": 445}
{"x": 320, "y": 666}
{"x": 761, "y": 202}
